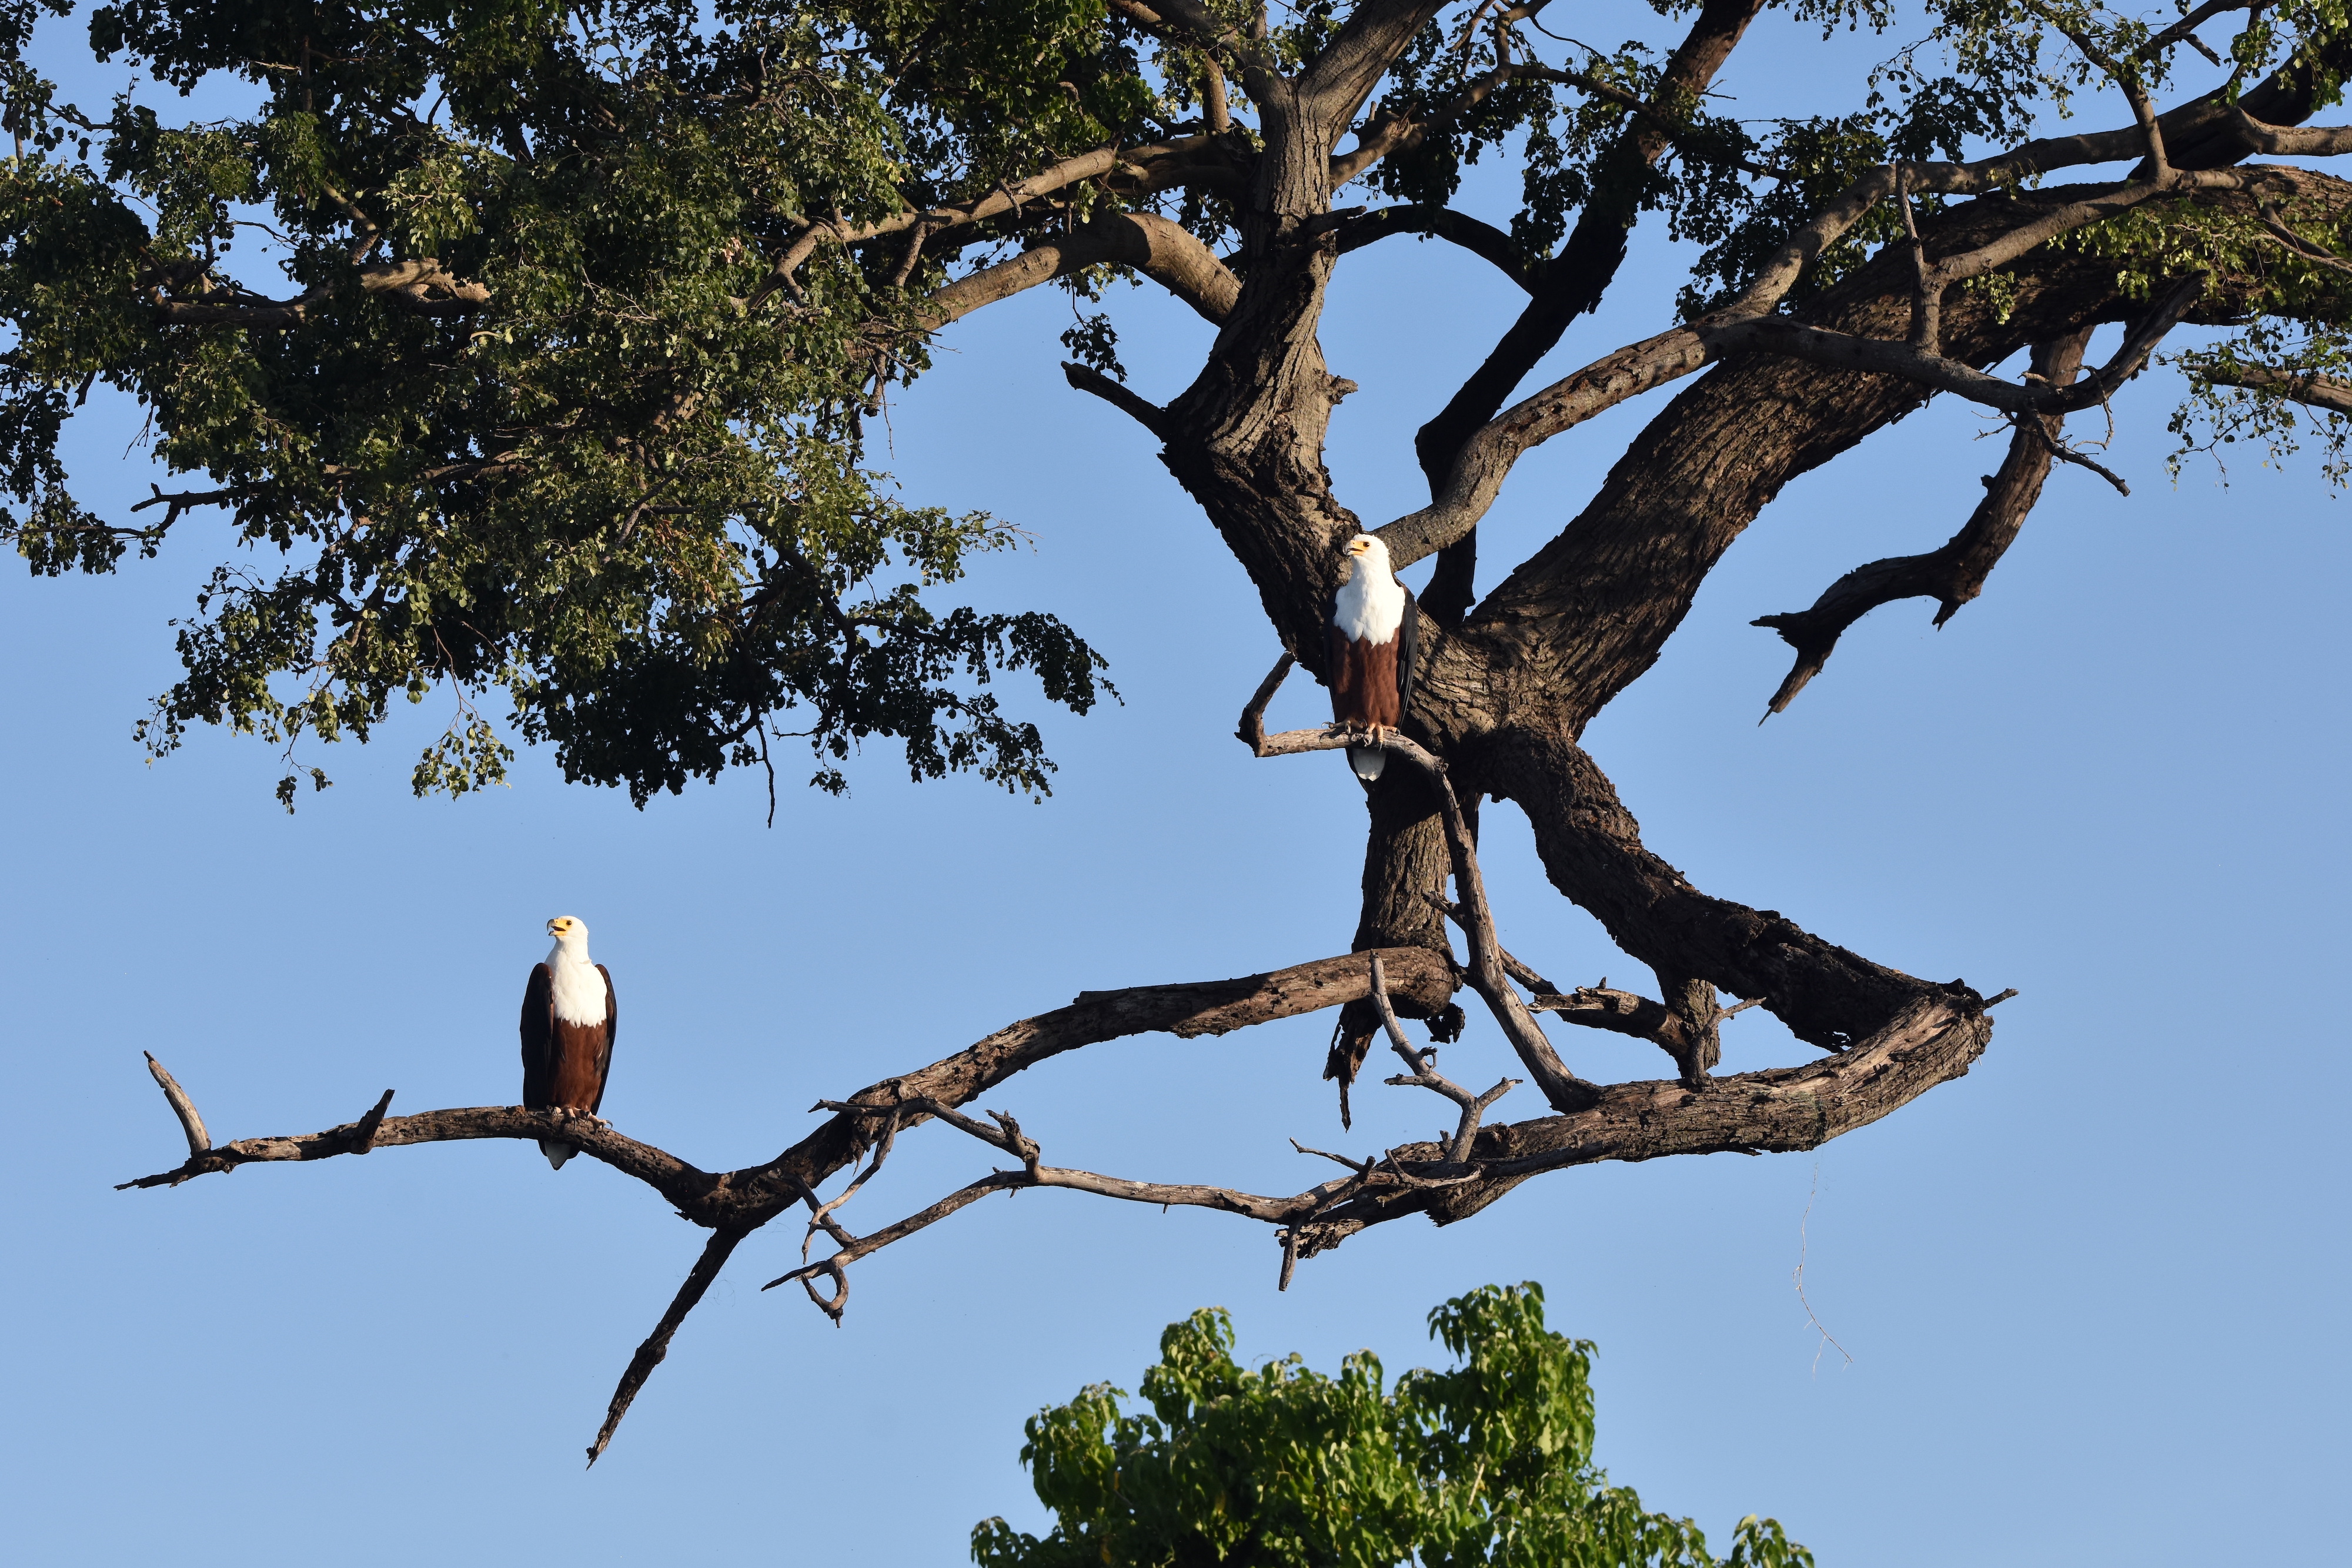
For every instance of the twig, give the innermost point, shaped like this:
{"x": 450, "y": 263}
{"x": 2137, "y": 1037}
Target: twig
{"x": 1799, "y": 1276}
{"x": 2065, "y": 453}
{"x": 183, "y": 1107}
{"x": 1995, "y": 1002}
{"x": 1359, "y": 1166}
{"x": 1421, "y": 1073}
{"x": 1252, "y": 732}
{"x": 1515, "y": 967}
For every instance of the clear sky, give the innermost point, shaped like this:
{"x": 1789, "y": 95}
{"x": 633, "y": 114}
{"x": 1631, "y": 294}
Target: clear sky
{"x": 2092, "y": 1292}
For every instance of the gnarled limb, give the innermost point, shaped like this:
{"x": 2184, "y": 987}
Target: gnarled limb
{"x": 1592, "y": 849}
{"x": 1955, "y": 573}
{"x": 1930, "y": 1041}
{"x": 1486, "y": 974}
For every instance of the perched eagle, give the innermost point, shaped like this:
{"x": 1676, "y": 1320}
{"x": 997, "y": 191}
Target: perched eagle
{"x": 1375, "y": 630}
{"x": 568, "y": 1019}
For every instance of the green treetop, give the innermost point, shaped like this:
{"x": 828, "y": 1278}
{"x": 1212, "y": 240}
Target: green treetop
{"x": 1490, "y": 1463}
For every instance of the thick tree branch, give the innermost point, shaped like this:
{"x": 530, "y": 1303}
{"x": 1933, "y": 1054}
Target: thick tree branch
{"x": 1592, "y": 849}
{"x": 1165, "y": 252}
{"x": 1480, "y": 239}
{"x": 1486, "y": 460}
{"x": 1573, "y": 283}
{"x": 1929, "y": 1041}
{"x": 421, "y": 287}
{"x": 1338, "y": 80}
{"x": 1131, "y": 172}
{"x": 757, "y": 1195}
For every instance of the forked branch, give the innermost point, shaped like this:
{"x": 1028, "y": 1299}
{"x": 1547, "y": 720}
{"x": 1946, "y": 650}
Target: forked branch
{"x": 1488, "y": 975}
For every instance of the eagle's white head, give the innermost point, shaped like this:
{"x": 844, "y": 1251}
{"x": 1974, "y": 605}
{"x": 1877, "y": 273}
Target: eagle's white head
{"x": 1369, "y": 554}
{"x": 571, "y": 933}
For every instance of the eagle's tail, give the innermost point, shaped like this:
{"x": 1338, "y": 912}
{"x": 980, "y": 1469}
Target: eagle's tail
{"x": 556, "y": 1153}
{"x": 1368, "y": 761}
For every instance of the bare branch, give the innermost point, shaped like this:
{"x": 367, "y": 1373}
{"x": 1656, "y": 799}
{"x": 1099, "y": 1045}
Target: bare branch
{"x": 751, "y": 1197}
{"x": 1931, "y": 1042}
{"x": 714, "y": 1253}
{"x": 1419, "y": 1071}
{"x": 1252, "y": 731}
{"x": 181, "y": 1106}
{"x": 1142, "y": 410}
{"x": 1562, "y": 1088}
{"x": 363, "y": 1133}
{"x": 1480, "y": 239}
{"x": 1955, "y": 573}
{"x": 1165, "y": 252}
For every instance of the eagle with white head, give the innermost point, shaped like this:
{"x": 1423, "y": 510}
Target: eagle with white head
{"x": 1375, "y": 632}
{"x": 569, "y": 1019}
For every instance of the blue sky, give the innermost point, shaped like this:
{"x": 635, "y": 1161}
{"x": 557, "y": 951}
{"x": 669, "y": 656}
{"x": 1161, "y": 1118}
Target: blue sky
{"x": 2091, "y": 1292}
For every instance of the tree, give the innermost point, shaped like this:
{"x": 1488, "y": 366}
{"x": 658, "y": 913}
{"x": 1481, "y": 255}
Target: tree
{"x": 591, "y": 306}
{"x": 1489, "y": 1463}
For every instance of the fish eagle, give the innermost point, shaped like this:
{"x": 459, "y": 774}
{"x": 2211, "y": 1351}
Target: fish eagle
{"x": 1375, "y": 632}
{"x": 568, "y": 1019}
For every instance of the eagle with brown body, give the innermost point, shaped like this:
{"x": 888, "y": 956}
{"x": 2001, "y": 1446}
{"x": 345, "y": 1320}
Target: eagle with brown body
{"x": 1375, "y": 632}
{"x": 569, "y": 1019}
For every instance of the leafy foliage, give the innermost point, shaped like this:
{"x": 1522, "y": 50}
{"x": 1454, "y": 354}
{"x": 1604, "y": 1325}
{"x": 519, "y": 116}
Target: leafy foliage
{"x": 1489, "y": 1463}
{"x": 474, "y": 321}
{"x": 589, "y": 458}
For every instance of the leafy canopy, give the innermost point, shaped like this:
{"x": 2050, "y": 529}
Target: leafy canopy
{"x": 1489, "y": 1463}
{"x": 476, "y": 324}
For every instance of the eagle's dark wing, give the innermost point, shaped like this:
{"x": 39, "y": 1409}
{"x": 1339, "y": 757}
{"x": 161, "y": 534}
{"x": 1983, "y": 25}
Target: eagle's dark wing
{"x": 1408, "y": 651}
{"x": 612, "y": 1031}
{"x": 539, "y": 1038}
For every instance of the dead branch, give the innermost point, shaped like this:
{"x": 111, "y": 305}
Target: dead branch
{"x": 181, "y": 1106}
{"x": 1523, "y": 973}
{"x": 364, "y": 1131}
{"x": 1931, "y": 1042}
{"x": 1955, "y": 573}
{"x": 1562, "y": 1088}
{"x": 1252, "y": 730}
{"x": 714, "y": 1253}
{"x": 1420, "y": 1071}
